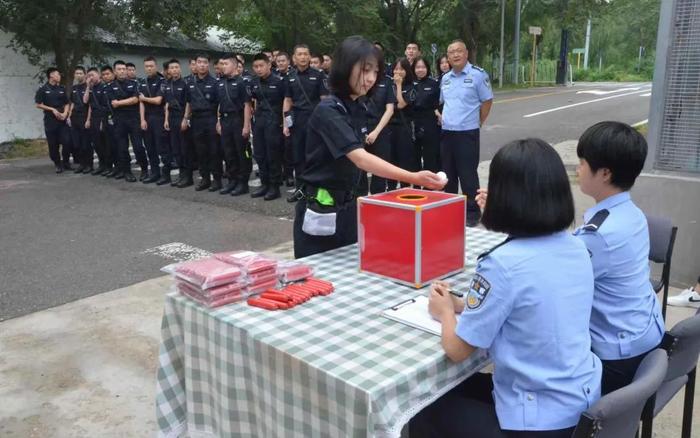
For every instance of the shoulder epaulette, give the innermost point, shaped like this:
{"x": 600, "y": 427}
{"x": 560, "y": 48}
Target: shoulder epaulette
{"x": 484, "y": 254}
{"x": 597, "y": 220}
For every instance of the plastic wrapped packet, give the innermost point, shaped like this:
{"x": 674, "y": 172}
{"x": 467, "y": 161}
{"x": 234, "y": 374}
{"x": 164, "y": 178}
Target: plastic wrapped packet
{"x": 294, "y": 271}
{"x": 213, "y": 292}
{"x": 262, "y": 287}
{"x": 216, "y": 301}
{"x": 205, "y": 273}
{"x": 261, "y": 277}
{"x": 247, "y": 261}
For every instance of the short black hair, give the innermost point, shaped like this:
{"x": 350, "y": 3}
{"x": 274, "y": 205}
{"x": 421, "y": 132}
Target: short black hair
{"x": 193, "y": 58}
{"x": 165, "y": 65}
{"x": 616, "y": 146}
{"x": 406, "y": 65}
{"x": 529, "y": 190}
{"x": 413, "y": 42}
{"x": 79, "y": 67}
{"x": 261, "y": 57}
{"x": 231, "y": 56}
{"x": 106, "y": 68}
{"x": 439, "y": 61}
{"x": 379, "y": 43}
{"x": 51, "y": 70}
{"x": 93, "y": 69}
{"x": 326, "y": 54}
{"x": 282, "y": 53}
{"x": 149, "y": 58}
{"x": 172, "y": 61}
{"x": 300, "y": 46}
{"x": 118, "y": 62}
{"x": 427, "y": 66}
{"x": 316, "y": 55}
{"x": 130, "y": 64}
{"x": 351, "y": 51}
{"x": 202, "y": 56}
{"x": 240, "y": 58}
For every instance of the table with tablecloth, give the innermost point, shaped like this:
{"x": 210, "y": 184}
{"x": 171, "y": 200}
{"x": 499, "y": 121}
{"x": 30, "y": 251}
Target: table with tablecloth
{"x": 330, "y": 367}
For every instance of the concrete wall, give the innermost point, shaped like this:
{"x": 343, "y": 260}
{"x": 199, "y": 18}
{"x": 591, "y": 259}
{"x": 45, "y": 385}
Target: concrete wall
{"x": 18, "y": 82}
{"x": 676, "y": 197}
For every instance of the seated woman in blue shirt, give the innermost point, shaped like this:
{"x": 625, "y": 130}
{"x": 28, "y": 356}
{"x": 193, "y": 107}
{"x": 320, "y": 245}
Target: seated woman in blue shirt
{"x": 529, "y": 303}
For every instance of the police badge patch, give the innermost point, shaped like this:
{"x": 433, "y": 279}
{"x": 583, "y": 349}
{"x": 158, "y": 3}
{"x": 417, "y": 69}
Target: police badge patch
{"x": 478, "y": 290}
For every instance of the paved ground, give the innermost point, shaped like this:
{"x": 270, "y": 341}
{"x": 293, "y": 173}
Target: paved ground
{"x": 70, "y": 236}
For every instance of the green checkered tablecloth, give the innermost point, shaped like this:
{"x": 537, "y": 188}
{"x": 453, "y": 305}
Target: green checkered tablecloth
{"x": 331, "y": 367}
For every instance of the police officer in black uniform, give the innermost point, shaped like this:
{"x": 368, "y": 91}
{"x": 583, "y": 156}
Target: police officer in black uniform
{"x": 304, "y": 89}
{"x": 268, "y": 92}
{"x": 78, "y": 112}
{"x": 202, "y": 102}
{"x": 152, "y": 119}
{"x": 425, "y": 122}
{"x": 326, "y": 214}
{"x": 380, "y": 109}
{"x": 174, "y": 95}
{"x": 234, "y": 127}
{"x": 52, "y": 99}
{"x": 402, "y": 134}
{"x": 97, "y": 112}
{"x": 124, "y": 101}
{"x": 108, "y": 77}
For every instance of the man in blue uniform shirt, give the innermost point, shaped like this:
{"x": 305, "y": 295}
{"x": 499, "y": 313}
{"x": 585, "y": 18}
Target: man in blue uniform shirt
{"x": 626, "y": 321}
{"x": 52, "y": 99}
{"x": 465, "y": 92}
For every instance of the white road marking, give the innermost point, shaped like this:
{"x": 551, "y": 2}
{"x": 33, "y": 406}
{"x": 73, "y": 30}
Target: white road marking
{"x": 178, "y": 252}
{"x": 645, "y": 95}
{"x": 643, "y": 122}
{"x": 579, "y": 104}
{"x": 606, "y": 92}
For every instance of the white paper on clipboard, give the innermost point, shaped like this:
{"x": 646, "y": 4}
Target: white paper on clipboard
{"x": 414, "y": 313}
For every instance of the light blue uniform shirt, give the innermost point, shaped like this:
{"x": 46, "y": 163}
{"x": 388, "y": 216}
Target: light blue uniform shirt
{"x": 463, "y": 93}
{"x": 626, "y": 320}
{"x": 529, "y": 304}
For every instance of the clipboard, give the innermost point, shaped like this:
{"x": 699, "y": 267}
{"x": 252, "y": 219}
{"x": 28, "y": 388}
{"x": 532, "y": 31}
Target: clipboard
{"x": 414, "y": 313}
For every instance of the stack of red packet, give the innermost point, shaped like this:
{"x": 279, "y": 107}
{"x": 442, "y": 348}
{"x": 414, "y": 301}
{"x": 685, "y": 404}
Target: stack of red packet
{"x": 290, "y": 296}
{"x": 208, "y": 281}
{"x": 260, "y": 270}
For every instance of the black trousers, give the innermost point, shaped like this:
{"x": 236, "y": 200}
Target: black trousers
{"x": 58, "y": 137}
{"x": 428, "y": 142}
{"x": 619, "y": 373}
{"x": 128, "y": 127}
{"x": 381, "y": 148}
{"x": 99, "y": 140}
{"x": 82, "y": 147}
{"x": 180, "y": 143}
{"x": 345, "y": 233}
{"x": 468, "y": 411}
{"x": 459, "y": 151}
{"x": 156, "y": 150}
{"x": 267, "y": 149}
{"x": 298, "y": 134}
{"x": 206, "y": 144}
{"x": 237, "y": 154}
{"x": 111, "y": 130}
{"x": 403, "y": 152}
{"x": 287, "y": 158}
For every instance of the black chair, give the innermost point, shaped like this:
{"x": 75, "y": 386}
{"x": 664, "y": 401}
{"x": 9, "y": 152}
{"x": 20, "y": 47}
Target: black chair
{"x": 662, "y": 237}
{"x": 616, "y": 415}
{"x": 683, "y": 346}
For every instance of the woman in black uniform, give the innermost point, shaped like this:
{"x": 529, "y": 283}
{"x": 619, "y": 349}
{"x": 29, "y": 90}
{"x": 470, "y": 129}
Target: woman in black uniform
{"x": 402, "y": 136}
{"x": 442, "y": 67}
{"x": 326, "y": 215}
{"x": 425, "y": 122}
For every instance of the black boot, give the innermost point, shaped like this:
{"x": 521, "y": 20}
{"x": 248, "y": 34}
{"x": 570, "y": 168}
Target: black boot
{"x": 79, "y": 169}
{"x": 215, "y": 185}
{"x": 260, "y": 192}
{"x": 177, "y": 181}
{"x": 203, "y": 184}
{"x": 241, "y": 189}
{"x": 289, "y": 182}
{"x": 164, "y": 177}
{"x": 107, "y": 171}
{"x": 67, "y": 166}
{"x": 144, "y": 173}
{"x": 129, "y": 177}
{"x": 185, "y": 181}
{"x": 273, "y": 193}
{"x": 231, "y": 186}
{"x": 59, "y": 168}
{"x": 152, "y": 177}
{"x": 88, "y": 170}
{"x": 119, "y": 174}
{"x": 112, "y": 172}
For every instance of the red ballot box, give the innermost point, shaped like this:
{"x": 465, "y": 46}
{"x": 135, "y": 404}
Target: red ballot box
{"x": 411, "y": 236}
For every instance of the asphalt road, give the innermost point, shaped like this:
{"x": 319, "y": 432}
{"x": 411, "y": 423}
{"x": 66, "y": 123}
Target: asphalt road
{"x": 65, "y": 237}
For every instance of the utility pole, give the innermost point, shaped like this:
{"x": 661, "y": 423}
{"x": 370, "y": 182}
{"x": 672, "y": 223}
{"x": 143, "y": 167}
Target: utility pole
{"x": 503, "y": 25}
{"x": 516, "y": 42}
{"x": 588, "y": 44}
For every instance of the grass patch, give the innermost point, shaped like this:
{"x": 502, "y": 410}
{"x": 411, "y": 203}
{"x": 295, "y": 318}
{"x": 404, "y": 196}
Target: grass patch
{"x": 24, "y": 148}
